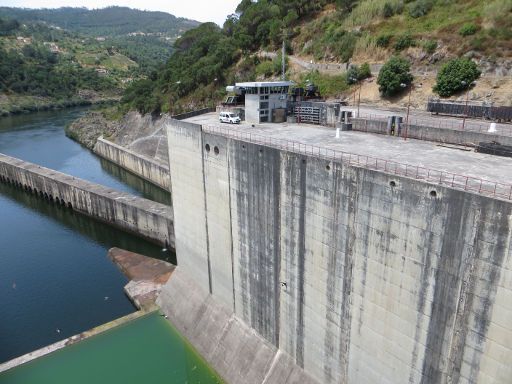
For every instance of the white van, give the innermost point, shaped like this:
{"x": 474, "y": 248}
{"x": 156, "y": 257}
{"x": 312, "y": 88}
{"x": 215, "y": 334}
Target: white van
{"x": 229, "y": 117}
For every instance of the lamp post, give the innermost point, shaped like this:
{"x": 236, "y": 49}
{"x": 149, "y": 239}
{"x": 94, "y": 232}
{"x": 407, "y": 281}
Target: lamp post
{"x": 353, "y": 79}
{"x": 464, "y": 83}
{"x": 403, "y": 85}
{"x": 359, "y": 97}
{"x": 213, "y": 91}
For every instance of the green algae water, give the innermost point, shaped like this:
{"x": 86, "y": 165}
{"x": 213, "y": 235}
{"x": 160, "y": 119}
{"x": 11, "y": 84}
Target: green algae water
{"x": 147, "y": 350}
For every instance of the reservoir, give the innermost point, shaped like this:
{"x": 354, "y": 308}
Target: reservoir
{"x": 145, "y": 350}
{"x": 55, "y": 277}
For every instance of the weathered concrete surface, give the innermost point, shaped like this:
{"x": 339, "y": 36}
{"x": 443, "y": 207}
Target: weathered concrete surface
{"x": 69, "y": 341}
{"x": 138, "y": 267}
{"x": 357, "y": 275}
{"x": 186, "y": 167}
{"x": 147, "y": 276}
{"x": 231, "y": 347}
{"x": 140, "y": 216}
{"x": 151, "y": 170}
{"x": 440, "y": 135}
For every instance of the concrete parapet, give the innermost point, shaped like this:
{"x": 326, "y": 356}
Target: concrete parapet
{"x": 151, "y": 220}
{"x": 436, "y": 134}
{"x": 142, "y": 166}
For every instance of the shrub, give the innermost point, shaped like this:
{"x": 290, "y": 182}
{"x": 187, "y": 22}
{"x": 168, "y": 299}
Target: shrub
{"x": 420, "y": 8}
{"x": 395, "y": 72}
{"x": 468, "y": 29}
{"x": 404, "y": 41}
{"x": 455, "y": 76}
{"x": 430, "y": 46}
{"x": 383, "y": 40}
{"x": 265, "y": 68}
{"x": 355, "y": 73}
{"x": 388, "y": 10}
{"x": 365, "y": 71}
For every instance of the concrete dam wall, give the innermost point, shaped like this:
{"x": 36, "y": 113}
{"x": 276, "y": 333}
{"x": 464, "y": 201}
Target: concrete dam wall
{"x": 143, "y": 217}
{"x": 142, "y": 166}
{"x": 356, "y": 275}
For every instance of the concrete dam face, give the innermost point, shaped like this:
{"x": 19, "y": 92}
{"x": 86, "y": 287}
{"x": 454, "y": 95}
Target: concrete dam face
{"x": 354, "y": 275}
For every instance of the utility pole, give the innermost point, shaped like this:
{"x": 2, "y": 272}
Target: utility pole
{"x": 283, "y": 62}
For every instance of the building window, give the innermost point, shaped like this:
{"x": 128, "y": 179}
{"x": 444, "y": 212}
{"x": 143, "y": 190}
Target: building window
{"x": 264, "y": 105}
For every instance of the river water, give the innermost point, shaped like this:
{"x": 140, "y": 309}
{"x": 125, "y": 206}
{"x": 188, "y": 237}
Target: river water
{"x": 55, "y": 277}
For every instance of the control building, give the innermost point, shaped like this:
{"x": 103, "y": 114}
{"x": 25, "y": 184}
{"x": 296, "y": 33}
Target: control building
{"x": 265, "y": 101}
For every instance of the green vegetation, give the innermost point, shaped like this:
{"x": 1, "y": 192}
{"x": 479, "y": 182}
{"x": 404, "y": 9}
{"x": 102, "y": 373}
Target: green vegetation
{"x": 383, "y": 40}
{"x": 394, "y": 75}
{"x": 327, "y": 85}
{"x": 269, "y": 68}
{"x": 455, "y": 76}
{"x": 43, "y": 66}
{"x": 430, "y": 46}
{"x": 37, "y": 74}
{"x": 356, "y": 73}
{"x": 341, "y": 31}
{"x": 202, "y": 57}
{"x": 420, "y": 8}
{"x": 110, "y": 21}
{"x": 404, "y": 41}
{"x": 468, "y": 29}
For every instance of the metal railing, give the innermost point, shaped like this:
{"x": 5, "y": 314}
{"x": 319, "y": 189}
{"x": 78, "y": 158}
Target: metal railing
{"x": 456, "y": 125}
{"x": 444, "y": 178}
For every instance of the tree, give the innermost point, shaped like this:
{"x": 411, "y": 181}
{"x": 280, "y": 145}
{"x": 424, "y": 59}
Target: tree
{"x": 393, "y": 74}
{"x": 456, "y": 75}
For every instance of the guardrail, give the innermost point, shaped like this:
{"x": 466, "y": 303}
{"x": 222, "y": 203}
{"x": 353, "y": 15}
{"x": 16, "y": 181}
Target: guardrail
{"x": 448, "y": 179}
{"x": 457, "y": 125}
{"x": 187, "y": 115}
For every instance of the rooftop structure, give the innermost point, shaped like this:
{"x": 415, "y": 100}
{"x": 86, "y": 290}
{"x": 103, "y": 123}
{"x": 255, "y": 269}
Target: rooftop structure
{"x": 265, "y": 101}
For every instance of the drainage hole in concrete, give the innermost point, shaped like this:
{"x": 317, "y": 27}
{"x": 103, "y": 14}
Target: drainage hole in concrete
{"x": 392, "y": 183}
{"x": 303, "y": 161}
{"x": 207, "y": 147}
{"x": 216, "y": 150}
{"x": 261, "y": 150}
{"x": 433, "y": 193}
{"x": 328, "y": 167}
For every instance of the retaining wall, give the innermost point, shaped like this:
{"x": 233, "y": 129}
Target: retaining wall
{"x": 142, "y": 166}
{"x": 356, "y": 275}
{"x": 421, "y": 132}
{"x": 140, "y": 216}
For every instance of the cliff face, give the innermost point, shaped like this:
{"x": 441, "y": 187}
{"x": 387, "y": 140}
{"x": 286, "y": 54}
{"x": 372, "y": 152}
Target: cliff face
{"x": 140, "y": 133}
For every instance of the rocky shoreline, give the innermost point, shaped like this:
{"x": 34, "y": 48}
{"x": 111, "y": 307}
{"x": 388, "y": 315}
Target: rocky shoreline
{"x": 88, "y": 128}
{"x": 143, "y": 134}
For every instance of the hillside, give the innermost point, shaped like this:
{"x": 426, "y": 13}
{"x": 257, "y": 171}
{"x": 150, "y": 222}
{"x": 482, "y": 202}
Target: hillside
{"x": 323, "y": 38}
{"x": 110, "y": 21}
{"x": 43, "y": 65}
